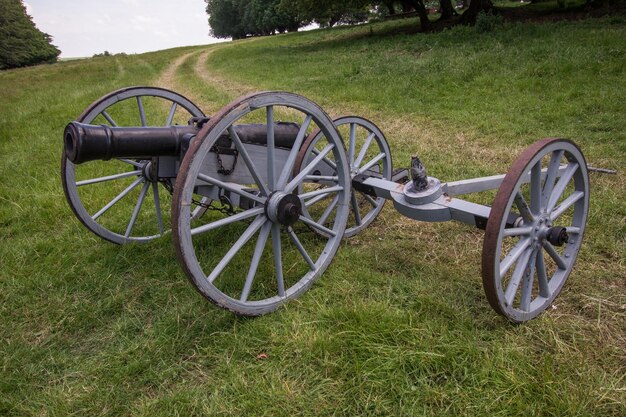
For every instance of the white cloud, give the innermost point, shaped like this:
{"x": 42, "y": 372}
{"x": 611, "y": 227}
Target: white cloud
{"x": 132, "y": 26}
{"x": 146, "y": 19}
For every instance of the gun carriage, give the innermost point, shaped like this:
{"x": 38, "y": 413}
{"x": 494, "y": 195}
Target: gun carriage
{"x": 263, "y": 192}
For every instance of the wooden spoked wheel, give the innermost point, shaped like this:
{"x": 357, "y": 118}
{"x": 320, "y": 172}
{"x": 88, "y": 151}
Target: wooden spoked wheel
{"x": 253, "y": 252}
{"x": 368, "y": 154}
{"x": 535, "y": 229}
{"x": 112, "y": 198}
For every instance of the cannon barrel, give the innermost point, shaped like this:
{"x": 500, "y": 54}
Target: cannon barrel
{"x": 85, "y": 142}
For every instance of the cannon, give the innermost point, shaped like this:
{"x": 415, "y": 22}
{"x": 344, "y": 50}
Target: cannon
{"x": 262, "y": 193}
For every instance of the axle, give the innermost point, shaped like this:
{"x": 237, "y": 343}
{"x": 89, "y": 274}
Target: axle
{"x": 434, "y": 201}
{"x": 84, "y": 142}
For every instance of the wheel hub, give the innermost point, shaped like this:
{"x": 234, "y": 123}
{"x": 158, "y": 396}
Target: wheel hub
{"x": 544, "y": 230}
{"x": 557, "y": 236}
{"x": 283, "y": 208}
{"x": 149, "y": 170}
{"x": 540, "y": 230}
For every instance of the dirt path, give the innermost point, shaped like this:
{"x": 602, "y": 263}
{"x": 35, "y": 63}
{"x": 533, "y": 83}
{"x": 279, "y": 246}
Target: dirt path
{"x": 166, "y": 80}
{"x": 404, "y": 129}
{"x": 232, "y": 88}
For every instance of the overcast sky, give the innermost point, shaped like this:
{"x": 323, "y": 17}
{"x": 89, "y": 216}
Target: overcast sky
{"x": 82, "y": 28}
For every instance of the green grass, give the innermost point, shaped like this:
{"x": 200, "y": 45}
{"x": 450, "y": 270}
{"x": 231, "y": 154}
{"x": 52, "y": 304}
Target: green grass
{"x": 398, "y": 325}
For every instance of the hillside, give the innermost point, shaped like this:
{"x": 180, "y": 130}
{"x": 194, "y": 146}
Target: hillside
{"x": 399, "y": 323}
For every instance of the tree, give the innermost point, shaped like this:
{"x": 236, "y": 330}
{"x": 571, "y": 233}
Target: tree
{"x": 21, "y": 43}
{"x": 265, "y": 17}
{"x": 241, "y": 18}
{"x": 446, "y": 10}
{"x": 225, "y": 18}
{"x": 420, "y": 8}
{"x": 475, "y": 7}
{"x": 329, "y": 12}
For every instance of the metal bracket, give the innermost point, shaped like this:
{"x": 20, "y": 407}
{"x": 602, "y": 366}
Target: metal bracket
{"x": 399, "y": 176}
{"x": 359, "y": 185}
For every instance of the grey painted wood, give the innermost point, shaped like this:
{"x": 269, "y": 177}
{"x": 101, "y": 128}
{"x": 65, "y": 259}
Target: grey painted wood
{"x": 238, "y": 266}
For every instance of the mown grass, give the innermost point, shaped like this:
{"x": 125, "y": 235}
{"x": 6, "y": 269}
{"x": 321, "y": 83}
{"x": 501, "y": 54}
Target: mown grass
{"x": 398, "y": 325}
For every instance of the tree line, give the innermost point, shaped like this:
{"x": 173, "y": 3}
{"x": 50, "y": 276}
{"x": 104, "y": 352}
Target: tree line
{"x": 21, "y": 43}
{"x": 242, "y": 18}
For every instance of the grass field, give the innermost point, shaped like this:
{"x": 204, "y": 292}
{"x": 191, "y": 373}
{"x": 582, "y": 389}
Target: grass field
{"x": 398, "y": 324}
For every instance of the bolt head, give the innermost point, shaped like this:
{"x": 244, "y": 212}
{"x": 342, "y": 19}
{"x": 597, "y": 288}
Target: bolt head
{"x": 557, "y": 236}
{"x": 288, "y": 209}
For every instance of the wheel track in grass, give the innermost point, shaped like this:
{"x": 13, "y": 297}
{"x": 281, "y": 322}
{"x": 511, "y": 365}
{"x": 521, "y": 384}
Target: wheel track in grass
{"x": 121, "y": 70}
{"x": 407, "y": 132}
{"x": 233, "y": 88}
{"x": 166, "y": 80}
{"x": 403, "y": 129}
